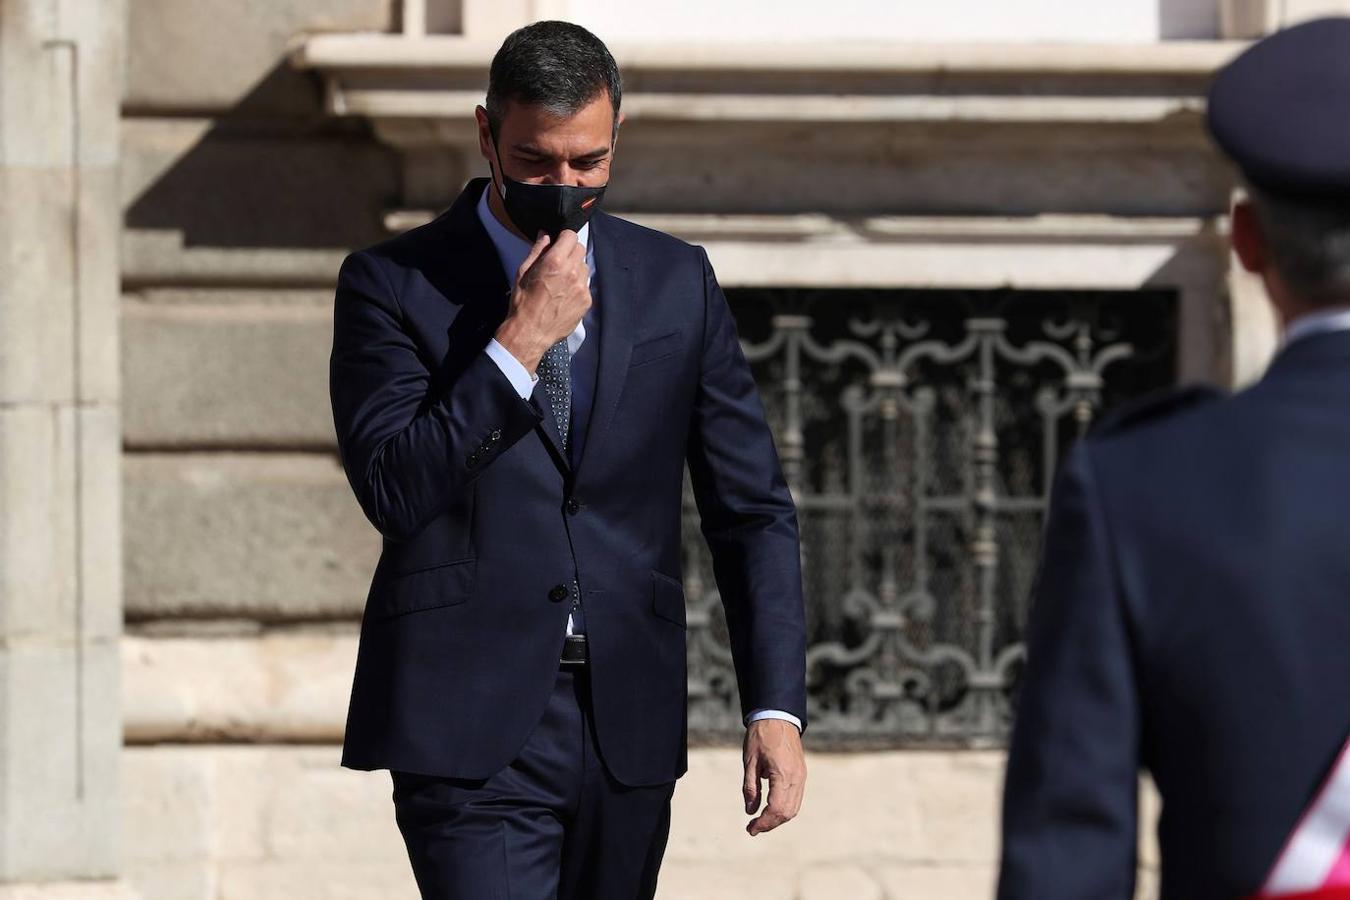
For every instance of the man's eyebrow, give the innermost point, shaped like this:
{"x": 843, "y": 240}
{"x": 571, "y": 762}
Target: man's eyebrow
{"x": 531, "y": 150}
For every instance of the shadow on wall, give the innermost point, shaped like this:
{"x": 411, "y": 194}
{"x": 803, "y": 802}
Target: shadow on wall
{"x": 253, "y": 178}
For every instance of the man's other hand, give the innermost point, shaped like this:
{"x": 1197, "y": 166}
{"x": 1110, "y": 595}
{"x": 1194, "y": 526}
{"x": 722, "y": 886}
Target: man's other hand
{"x": 773, "y": 752}
{"x": 552, "y": 294}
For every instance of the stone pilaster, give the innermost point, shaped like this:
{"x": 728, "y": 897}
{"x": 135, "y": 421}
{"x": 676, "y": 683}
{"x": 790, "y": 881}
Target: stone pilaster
{"x": 60, "y": 447}
{"x": 1254, "y": 18}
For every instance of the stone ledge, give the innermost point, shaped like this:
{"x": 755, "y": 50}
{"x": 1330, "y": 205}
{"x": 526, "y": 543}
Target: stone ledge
{"x": 270, "y": 536}
{"x": 227, "y": 375}
{"x": 817, "y": 227}
{"x": 291, "y": 685}
{"x": 281, "y": 687}
{"x": 375, "y": 102}
{"x": 393, "y": 52}
{"x": 209, "y": 822}
{"x": 70, "y": 890}
{"x": 153, "y": 257}
{"x": 396, "y": 79}
{"x": 160, "y": 258}
{"x": 241, "y": 369}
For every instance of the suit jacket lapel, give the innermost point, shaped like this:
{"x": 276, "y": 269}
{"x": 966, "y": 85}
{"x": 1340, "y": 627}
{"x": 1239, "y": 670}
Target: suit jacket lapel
{"x": 451, "y": 258}
{"x": 465, "y": 268}
{"x": 461, "y": 261}
{"x": 613, "y": 268}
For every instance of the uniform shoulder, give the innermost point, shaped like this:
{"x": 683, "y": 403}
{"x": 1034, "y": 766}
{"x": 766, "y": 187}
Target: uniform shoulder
{"x": 1156, "y": 407}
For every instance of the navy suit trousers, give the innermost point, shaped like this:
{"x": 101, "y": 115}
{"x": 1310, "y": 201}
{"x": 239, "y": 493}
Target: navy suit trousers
{"x": 552, "y": 824}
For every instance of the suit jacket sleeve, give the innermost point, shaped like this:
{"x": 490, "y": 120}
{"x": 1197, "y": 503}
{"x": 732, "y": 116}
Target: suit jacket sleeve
{"x": 749, "y": 519}
{"x": 410, "y": 443}
{"x": 1070, "y": 825}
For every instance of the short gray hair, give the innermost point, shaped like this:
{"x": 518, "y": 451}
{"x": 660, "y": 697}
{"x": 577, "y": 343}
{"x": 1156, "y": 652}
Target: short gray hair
{"x": 1309, "y": 244}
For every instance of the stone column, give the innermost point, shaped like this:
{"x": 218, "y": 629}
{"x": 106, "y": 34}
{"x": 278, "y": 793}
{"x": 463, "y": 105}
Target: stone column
{"x": 1244, "y": 19}
{"x": 60, "y": 448}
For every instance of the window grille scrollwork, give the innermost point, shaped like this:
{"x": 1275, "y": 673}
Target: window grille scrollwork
{"x": 919, "y": 432}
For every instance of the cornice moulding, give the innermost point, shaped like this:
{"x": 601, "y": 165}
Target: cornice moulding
{"x": 395, "y": 78}
{"x": 439, "y": 53}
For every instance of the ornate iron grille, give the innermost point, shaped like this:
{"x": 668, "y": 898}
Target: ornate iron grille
{"x": 919, "y": 431}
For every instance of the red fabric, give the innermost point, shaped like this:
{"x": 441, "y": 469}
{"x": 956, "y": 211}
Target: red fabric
{"x": 1339, "y": 876}
{"x": 1326, "y": 893}
{"x": 1336, "y": 884}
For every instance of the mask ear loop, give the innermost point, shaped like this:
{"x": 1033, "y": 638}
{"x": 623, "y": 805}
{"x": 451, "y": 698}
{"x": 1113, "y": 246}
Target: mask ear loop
{"x": 499, "y": 176}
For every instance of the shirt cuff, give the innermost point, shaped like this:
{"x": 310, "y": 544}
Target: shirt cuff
{"x": 773, "y": 714}
{"x": 515, "y": 373}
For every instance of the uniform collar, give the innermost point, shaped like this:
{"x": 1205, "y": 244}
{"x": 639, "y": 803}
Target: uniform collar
{"x": 1319, "y": 322}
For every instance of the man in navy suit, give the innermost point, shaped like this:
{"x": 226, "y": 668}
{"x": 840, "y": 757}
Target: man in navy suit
{"x": 517, "y": 389}
{"x": 1192, "y": 614}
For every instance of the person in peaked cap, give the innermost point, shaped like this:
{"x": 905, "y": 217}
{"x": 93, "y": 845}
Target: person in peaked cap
{"x": 1192, "y": 614}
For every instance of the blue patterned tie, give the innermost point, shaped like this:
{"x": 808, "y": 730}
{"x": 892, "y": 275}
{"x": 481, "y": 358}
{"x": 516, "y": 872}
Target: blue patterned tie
{"x": 555, "y": 371}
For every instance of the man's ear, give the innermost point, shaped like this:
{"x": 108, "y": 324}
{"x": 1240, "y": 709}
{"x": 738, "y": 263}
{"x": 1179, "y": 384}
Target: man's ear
{"x": 485, "y": 144}
{"x": 1248, "y": 241}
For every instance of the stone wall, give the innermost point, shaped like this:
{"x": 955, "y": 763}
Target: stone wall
{"x": 60, "y": 567}
{"x": 246, "y": 558}
{"x": 240, "y": 199}
{"x": 248, "y": 802}
{"x": 268, "y": 822}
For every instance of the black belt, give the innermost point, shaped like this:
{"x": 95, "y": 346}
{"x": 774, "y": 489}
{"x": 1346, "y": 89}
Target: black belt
{"x": 574, "y": 651}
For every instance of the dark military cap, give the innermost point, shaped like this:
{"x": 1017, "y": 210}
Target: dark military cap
{"x": 1281, "y": 110}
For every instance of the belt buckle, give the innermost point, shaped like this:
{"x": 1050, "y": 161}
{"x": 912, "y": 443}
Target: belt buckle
{"x": 574, "y": 651}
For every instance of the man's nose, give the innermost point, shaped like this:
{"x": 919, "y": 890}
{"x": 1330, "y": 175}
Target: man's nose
{"x": 562, "y": 173}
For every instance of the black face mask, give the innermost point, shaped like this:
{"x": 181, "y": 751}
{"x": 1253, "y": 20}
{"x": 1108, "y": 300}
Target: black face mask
{"x": 550, "y": 208}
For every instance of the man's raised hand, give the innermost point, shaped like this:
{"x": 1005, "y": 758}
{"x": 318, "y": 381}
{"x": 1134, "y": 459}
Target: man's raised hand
{"x": 552, "y": 293}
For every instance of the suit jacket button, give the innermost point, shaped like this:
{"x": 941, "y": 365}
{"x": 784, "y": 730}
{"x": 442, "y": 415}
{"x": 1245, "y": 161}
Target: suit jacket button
{"x": 472, "y": 460}
{"x": 573, "y": 507}
{"x": 558, "y": 594}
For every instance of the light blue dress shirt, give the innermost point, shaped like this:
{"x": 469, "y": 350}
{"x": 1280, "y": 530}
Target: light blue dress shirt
{"x": 512, "y": 251}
